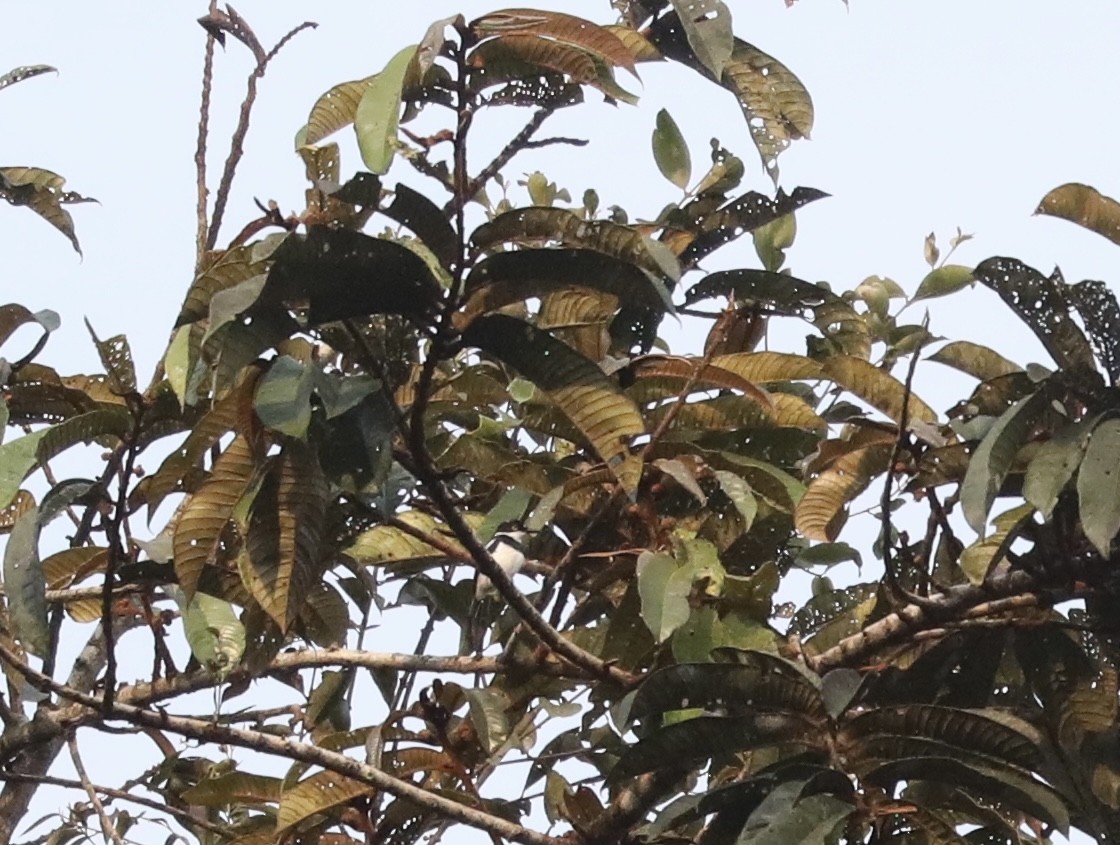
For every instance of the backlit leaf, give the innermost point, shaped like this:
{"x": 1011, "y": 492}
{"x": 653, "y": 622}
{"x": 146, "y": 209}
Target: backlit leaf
{"x": 1085, "y": 206}
{"x": 557, "y": 26}
{"x": 843, "y": 480}
{"x": 42, "y": 192}
{"x": 335, "y": 109}
{"x": 25, "y": 72}
{"x": 976, "y": 360}
{"x": 943, "y": 281}
{"x": 878, "y": 388}
{"x": 378, "y": 113}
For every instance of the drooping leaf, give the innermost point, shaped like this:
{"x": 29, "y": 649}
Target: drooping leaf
{"x": 843, "y": 480}
{"x": 42, "y": 192}
{"x": 285, "y": 530}
{"x": 567, "y": 29}
{"x": 234, "y": 788}
{"x": 198, "y": 537}
{"x": 994, "y": 456}
{"x": 1098, "y": 486}
{"x": 707, "y": 26}
{"x": 336, "y": 274}
{"x": 414, "y": 210}
{"x": 378, "y": 112}
{"x": 813, "y": 819}
{"x": 1085, "y": 206}
{"x": 24, "y": 72}
{"x": 670, "y": 151}
{"x": 1043, "y": 304}
{"x": 17, "y": 458}
{"x": 575, "y": 385}
{"x": 878, "y": 388}
{"x": 14, "y": 315}
{"x": 335, "y": 109}
{"x": 25, "y": 586}
{"x": 218, "y": 271}
{"x": 978, "y": 361}
{"x": 541, "y": 225}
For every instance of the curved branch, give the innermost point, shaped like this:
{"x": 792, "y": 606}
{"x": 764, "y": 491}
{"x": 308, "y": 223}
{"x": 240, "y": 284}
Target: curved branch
{"x": 290, "y": 749}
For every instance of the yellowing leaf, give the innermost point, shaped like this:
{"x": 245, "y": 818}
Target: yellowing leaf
{"x": 1085, "y": 206}
{"x": 877, "y": 388}
{"x": 335, "y": 109}
{"x": 567, "y": 29}
{"x": 843, "y": 480}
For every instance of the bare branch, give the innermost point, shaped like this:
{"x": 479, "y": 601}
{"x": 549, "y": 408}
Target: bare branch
{"x": 107, "y": 826}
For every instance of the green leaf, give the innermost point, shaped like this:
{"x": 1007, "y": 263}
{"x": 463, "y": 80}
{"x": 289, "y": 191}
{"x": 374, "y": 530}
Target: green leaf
{"x": 994, "y": 456}
{"x": 283, "y": 397}
{"x": 215, "y": 635}
{"x": 670, "y": 151}
{"x": 694, "y": 641}
{"x": 592, "y": 401}
{"x": 773, "y": 239}
{"x": 1085, "y": 206}
{"x": 1055, "y": 463}
{"x": 25, "y": 585}
{"x": 813, "y": 820}
{"x": 664, "y": 598}
{"x": 17, "y": 458}
{"x": 488, "y": 715}
{"x": 379, "y": 110}
{"x": 707, "y": 25}
{"x": 839, "y": 688}
{"x": 1098, "y": 486}
{"x": 944, "y": 281}
{"x": 315, "y": 795}
{"x": 736, "y": 488}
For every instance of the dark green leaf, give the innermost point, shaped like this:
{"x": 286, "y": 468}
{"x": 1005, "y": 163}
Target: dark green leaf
{"x": 670, "y": 151}
{"x": 1098, "y": 486}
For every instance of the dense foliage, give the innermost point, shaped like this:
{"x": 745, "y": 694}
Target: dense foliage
{"x": 355, "y": 398}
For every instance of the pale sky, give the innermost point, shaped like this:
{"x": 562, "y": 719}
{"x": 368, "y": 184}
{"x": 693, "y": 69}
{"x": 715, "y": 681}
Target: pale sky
{"x": 929, "y": 115}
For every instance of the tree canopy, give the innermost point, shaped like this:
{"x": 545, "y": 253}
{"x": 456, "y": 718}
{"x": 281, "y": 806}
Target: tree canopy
{"x": 355, "y": 398}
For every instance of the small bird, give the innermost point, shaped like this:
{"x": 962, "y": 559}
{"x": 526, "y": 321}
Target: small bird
{"x": 507, "y": 547}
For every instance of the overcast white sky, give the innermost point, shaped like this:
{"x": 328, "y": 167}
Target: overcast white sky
{"x": 929, "y": 114}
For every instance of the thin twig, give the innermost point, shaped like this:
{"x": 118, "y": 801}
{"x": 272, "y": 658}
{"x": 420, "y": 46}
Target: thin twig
{"x": 290, "y": 749}
{"x": 107, "y": 826}
{"x": 237, "y": 140}
{"x": 516, "y": 144}
{"x": 189, "y": 821}
{"x": 200, "y": 147}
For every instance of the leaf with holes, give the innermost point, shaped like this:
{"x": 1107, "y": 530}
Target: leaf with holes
{"x": 566, "y": 29}
{"x": 116, "y": 358}
{"x": 507, "y": 277}
{"x": 1043, "y": 304}
{"x": 1085, "y": 206}
{"x": 592, "y": 401}
{"x": 42, "y": 192}
{"x": 514, "y": 57}
{"x": 285, "y": 529}
{"x": 335, "y": 109}
{"x": 317, "y": 794}
{"x": 1098, "y": 486}
{"x": 707, "y": 26}
{"x": 200, "y": 531}
{"x": 24, "y": 72}
{"x": 993, "y": 458}
{"x": 540, "y": 225}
